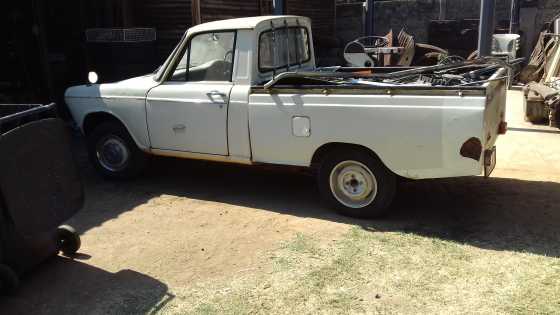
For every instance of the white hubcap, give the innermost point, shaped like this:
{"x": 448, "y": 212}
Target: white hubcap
{"x": 353, "y": 184}
{"x": 112, "y": 153}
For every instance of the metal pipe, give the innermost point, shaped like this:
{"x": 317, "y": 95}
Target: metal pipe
{"x": 196, "y": 17}
{"x": 442, "y": 9}
{"x": 486, "y": 29}
{"x": 514, "y": 17}
{"x": 279, "y": 8}
{"x": 370, "y": 19}
{"x": 557, "y": 26}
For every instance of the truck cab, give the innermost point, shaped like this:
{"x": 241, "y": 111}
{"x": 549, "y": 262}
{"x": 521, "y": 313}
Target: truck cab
{"x": 222, "y": 66}
{"x": 183, "y": 108}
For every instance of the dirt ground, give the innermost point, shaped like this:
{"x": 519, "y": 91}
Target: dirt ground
{"x": 194, "y": 237}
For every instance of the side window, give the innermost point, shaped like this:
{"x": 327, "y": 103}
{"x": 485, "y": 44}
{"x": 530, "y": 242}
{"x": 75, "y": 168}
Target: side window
{"x": 208, "y": 58}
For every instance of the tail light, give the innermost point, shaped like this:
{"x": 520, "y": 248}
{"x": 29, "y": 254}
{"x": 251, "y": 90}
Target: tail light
{"x": 502, "y": 128}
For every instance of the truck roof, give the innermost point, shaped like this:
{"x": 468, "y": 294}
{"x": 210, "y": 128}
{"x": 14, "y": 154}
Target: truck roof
{"x": 240, "y": 23}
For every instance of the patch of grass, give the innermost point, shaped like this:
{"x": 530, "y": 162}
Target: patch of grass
{"x": 282, "y": 264}
{"x": 206, "y": 309}
{"x": 303, "y": 244}
{"x": 390, "y": 272}
{"x": 537, "y": 293}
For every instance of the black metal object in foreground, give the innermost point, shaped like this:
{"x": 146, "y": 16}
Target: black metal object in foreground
{"x": 39, "y": 189}
{"x": 15, "y": 115}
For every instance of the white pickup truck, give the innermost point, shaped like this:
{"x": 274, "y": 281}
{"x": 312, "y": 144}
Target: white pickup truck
{"x": 247, "y": 91}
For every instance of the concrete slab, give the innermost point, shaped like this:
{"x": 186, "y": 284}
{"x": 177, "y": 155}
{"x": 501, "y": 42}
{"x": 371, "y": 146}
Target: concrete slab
{"x": 527, "y": 148}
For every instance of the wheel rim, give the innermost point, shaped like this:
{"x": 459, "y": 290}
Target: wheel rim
{"x": 112, "y": 153}
{"x": 353, "y": 184}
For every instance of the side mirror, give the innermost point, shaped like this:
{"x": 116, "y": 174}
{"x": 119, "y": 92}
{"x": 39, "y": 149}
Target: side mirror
{"x": 92, "y": 77}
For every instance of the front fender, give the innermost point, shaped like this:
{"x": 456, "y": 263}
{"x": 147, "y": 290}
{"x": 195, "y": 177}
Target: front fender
{"x": 124, "y": 100}
{"x": 130, "y": 111}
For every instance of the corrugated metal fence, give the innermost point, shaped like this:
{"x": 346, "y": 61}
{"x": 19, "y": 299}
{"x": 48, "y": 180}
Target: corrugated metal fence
{"x": 169, "y": 17}
{"x": 212, "y": 10}
{"x": 172, "y": 17}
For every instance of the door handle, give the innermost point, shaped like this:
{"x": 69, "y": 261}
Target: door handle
{"x": 214, "y": 93}
{"x": 179, "y": 127}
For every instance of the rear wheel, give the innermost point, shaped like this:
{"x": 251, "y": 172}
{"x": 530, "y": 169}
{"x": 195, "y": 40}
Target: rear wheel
{"x": 356, "y": 183}
{"x": 114, "y": 153}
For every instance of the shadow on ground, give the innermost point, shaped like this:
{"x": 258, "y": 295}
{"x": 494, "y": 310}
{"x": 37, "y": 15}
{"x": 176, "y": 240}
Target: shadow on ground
{"x": 65, "y": 286}
{"x": 496, "y": 213}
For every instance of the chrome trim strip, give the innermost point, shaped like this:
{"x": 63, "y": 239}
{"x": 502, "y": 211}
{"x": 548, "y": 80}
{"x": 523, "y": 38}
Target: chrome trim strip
{"x": 180, "y": 100}
{"x": 374, "y": 106}
{"x": 202, "y": 156}
{"x": 436, "y": 91}
{"x": 108, "y": 97}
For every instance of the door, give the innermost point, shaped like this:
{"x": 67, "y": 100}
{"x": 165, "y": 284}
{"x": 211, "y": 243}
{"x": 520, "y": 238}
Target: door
{"x": 188, "y": 111}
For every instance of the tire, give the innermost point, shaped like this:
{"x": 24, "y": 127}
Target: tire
{"x": 9, "y": 281}
{"x": 356, "y": 183}
{"x": 69, "y": 241}
{"x": 114, "y": 153}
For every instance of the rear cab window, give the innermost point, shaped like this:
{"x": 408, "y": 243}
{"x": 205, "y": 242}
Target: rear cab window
{"x": 283, "y": 47}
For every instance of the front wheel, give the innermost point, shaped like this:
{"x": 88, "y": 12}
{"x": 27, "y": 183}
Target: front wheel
{"x": 114, "y": 153}
{"x": 356, "y": 184}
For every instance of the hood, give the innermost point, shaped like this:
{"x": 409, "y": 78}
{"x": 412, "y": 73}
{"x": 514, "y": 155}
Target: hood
{"x": 136, "y": 87}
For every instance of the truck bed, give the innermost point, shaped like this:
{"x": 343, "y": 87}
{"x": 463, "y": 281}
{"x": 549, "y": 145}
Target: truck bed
{"x": 464, "y": 75}
{"x": 417, "y": 130}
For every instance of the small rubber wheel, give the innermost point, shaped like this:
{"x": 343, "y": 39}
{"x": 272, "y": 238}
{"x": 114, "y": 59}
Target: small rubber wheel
{"x": 356, "y": 183}
{"x": 9, "y": 281}
{"x": 114, "y": 153}
{"x": 68, "y": 240}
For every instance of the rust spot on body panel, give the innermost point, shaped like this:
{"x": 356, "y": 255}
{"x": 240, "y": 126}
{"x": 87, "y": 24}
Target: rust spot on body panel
{"x": 472, "y": 149}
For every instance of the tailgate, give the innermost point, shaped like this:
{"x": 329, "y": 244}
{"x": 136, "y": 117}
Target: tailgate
{"x": 495, "y": 111}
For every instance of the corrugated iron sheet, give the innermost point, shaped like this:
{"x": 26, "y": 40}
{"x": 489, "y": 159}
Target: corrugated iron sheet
{"x": 170, "y": 18}
{"x": 321, "y": 12}
{"x": 212, "y": 10}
